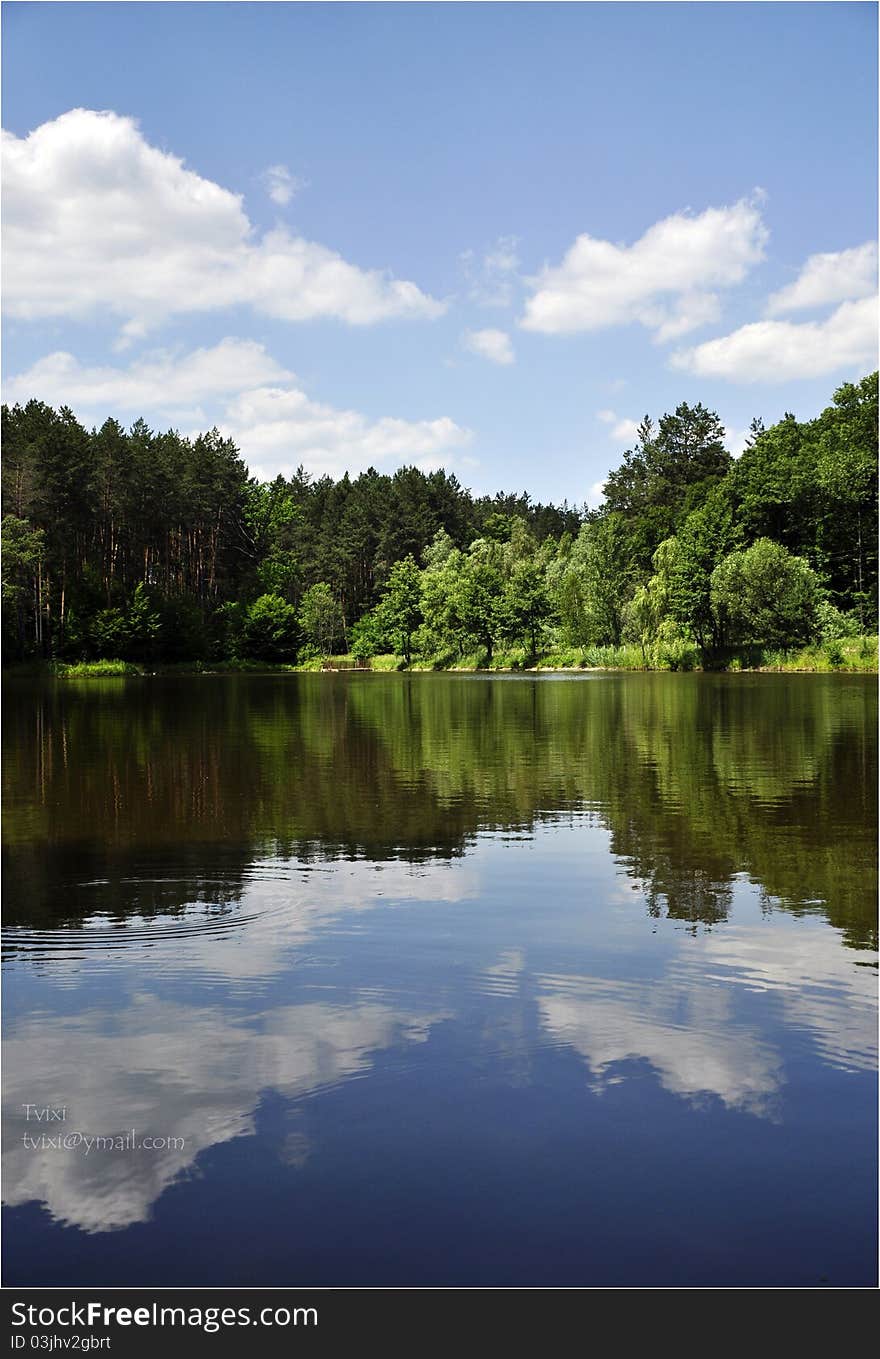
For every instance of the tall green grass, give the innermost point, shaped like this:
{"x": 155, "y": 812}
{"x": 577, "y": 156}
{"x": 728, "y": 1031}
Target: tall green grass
{"x": 846, "y": 655}
{"x": 853, "y": 654}
{"x": 94, "y": 669}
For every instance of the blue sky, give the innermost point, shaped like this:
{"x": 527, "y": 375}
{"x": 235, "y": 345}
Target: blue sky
{"x": 484, "y": 236}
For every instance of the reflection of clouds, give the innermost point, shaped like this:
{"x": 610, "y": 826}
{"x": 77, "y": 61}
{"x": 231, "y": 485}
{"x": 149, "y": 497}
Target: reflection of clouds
{"x": 169, "y": 1070}
{"x": 820, "y": 987}
{"x": 503, "y": 978}
{"x": 282, "y": 907}
{"x": 292, "y": 908}
{"x": 683, "y": 1030}
{"x": 689, "y": 1022}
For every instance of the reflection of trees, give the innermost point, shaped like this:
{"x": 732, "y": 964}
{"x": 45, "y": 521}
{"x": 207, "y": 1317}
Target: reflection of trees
{"x": 698, "y": 778}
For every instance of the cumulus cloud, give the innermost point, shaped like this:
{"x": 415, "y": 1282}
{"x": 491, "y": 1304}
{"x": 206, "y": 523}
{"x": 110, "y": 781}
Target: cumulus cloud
{"x": 622, "y": 429}
{"x": 277, "y": 428}
{"x": 844, "y": 276}
{"x": 735, "y": 439}
{"x": 97, "y": 219}
{"x": 663, "y": 281}
{"x": 596, "y": 495}
{"x": 625, "y": 431}
{"x": 281, "y": 185}
{"x": 160, "y": 381}
{"x": 780, "y": 351}
{"x": 493, "y": 345}
{"x": 689, "y": 312}
{"x": 254, "y": 400}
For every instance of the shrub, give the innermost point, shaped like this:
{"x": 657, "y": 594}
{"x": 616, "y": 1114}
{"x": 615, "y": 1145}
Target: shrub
{"x": 270, "y": 630}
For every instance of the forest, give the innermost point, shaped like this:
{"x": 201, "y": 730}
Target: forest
{"x": 155, "y": 548}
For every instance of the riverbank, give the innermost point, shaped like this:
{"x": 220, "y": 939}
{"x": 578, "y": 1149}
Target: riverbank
{"x": 853, "y": 655}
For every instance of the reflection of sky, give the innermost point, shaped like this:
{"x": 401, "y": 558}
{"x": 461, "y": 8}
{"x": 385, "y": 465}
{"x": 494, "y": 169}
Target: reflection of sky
{"x": 179, "y": 1071}
{"x": 687, "y": 1032}
{"x": 826, "y": 991}
{"x": 540, "y": 944}
{"x": 689, "y": 1022}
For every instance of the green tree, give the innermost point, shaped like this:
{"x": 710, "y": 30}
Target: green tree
{"x": 647, "y": 613}
{"x": 143, "y": 625}
{"x": 477, "y": 595}
{"x": 596, "y": 583}
{"x": 666, "y": 476}
{"x": 401, "y": 606}
{"x": 23, "y": 551}
{"x": 706, "y": 537}
{"x": 367, "y": 636}
{"x": 528, "y": 606}
{"x": 766, "y": 595}
{"x": 321, "y": 619}
{"x": 774, "y": 486}
{"x": 108, "y": 635}
{"x": 846, "y": 472}
{"x": 271, "y": 630}
{"x": 442, "y": 628}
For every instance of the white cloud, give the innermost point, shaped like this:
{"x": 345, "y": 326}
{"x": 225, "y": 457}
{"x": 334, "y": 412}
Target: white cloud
{"x": 690, "y": 311}
{"x": 98, "y": 220}
{"x": 843, "y": 276}
{"x": 735, "y": 440}
{"x": 281, "y": 185}
{"x": 780, "y": 351}
{"x": 159, "y": 381}
{"x": 596, "y": 495}
{"x": 493, "y": 345}
{"x": 491, "y": 279}
{"x": 277, "y": 428}
{"x": 623, "y": 429}
{"x": 661, "y": 281}
{"x": 256, "y": 402}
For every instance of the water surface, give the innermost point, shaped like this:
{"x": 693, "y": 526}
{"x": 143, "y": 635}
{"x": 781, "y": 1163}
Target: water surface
{"x": 442, "y": 979}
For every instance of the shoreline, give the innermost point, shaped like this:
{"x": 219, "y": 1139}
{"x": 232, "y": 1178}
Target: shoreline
{"x": 796, "y": 664}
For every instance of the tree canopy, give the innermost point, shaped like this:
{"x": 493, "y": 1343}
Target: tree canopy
{"x": 152, "y": 546}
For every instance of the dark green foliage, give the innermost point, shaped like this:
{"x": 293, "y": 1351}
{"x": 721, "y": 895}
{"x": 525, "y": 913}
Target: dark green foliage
{"x": 666, "y": 476}
{"x": 270, "y": 630}
{"x": 321, "y": 619}
{"x": 704, "y": 540}
{"x": 813, "y": 488}
{"x": 23, "y": 551}
{"x": 133, "y": 545}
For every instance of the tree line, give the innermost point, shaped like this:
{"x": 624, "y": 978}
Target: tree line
{"x": 149, "y": 546}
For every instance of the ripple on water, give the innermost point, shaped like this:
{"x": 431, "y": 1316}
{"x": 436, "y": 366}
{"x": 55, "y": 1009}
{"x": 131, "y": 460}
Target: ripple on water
{"x": 104, "y": 933}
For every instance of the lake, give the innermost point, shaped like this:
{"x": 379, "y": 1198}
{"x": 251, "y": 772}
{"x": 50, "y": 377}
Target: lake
{"x": 441, "y": 979}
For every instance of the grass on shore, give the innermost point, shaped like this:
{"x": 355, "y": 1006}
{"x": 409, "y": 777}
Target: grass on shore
{"x": 120, "y": 669}
{"x": 851, "y": 654}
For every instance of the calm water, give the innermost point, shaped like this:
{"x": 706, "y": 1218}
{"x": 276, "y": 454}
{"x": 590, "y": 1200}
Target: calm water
{"x": 442, "y": 979}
